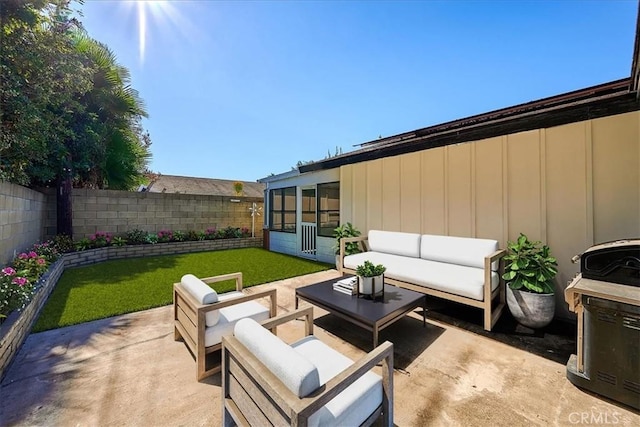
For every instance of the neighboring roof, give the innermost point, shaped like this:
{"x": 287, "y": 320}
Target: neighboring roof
{"x": 205, "y": 186}
{"x": 603, "y": 100}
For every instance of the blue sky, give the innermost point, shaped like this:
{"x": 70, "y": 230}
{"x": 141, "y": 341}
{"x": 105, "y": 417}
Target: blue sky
{"x": 240, "y": 90}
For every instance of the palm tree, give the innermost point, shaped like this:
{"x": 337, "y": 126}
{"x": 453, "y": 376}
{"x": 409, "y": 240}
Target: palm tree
{"x": 124, "y": 150}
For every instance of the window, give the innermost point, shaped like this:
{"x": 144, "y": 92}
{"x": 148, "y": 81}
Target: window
{"x": 282, "y": 213}
{"x": 328, "y": 208}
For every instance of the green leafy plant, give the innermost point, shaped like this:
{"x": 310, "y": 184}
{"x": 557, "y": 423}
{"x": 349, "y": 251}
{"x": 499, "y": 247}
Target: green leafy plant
{"x": 368, "y": 269}
{"x": 119, "y": 241}
{"x": 232, "y": 233}
{"x": 346, "y": 230}
{"x": 151, "y": 238}
{"x": 83, "y": 244}
{"x": 192, "y": 236}
{"x": 529, "y": 266}
{"x": 136, "y": 237}
{"x": 63, "y": 243}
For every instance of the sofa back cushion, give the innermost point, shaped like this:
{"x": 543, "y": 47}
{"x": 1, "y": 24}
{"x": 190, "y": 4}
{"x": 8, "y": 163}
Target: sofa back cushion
{"x": 395, "y": 243}
{"x": 457, "y": 250}
{"x": 294, "y": 370}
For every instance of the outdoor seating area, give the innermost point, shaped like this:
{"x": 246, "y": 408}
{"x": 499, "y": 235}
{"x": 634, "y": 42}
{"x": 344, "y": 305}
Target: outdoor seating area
{"x": 129, "y": 370}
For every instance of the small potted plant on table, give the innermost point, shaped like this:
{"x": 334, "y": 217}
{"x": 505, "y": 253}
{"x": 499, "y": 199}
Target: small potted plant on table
{"x": 370, "y": 280}
{"x": 529, "y": 273}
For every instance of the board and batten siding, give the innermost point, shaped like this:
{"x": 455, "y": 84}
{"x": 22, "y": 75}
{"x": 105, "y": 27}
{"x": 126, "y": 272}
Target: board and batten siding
{"x": 570, "y": 186}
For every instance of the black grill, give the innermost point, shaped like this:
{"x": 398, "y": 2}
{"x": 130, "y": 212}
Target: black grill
{"x": 606, "y": 298}
{"x": 615, "y": 262}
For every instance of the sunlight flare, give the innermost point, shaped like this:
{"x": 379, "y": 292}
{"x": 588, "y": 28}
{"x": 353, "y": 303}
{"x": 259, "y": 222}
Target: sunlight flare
{"x": 157, "y": 12}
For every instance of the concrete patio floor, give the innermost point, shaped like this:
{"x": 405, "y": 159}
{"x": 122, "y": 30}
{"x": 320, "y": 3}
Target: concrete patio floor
{"x": 128, "y": 370}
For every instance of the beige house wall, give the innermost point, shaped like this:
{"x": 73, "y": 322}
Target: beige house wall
{"x": 570, "y": 186}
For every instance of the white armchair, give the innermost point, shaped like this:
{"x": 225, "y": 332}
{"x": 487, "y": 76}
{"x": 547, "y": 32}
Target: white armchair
{"x": 202, "y": 317}
{"x": 268, "y": 382}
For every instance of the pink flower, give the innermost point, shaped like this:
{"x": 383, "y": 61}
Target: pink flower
{"x": 23, "y": 256}
{"x": 32, "y": 254}
{"x": 41, "y": 261}
{"x": 20, "y": 281}
{"x": 8, "y": 271}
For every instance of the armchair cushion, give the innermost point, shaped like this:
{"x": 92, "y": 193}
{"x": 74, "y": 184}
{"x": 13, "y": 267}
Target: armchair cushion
{"x": 295, "y": 371}
{"x": 213, "y": 317}
{"x": 229, "y": 316}
{"x": 202, "y": 292}
{"x": 356, "y": 402}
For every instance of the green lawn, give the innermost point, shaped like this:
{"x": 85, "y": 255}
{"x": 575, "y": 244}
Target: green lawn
{"x": 124, "y": 286}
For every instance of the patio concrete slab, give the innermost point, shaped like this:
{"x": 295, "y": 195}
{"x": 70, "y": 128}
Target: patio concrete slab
{"x": 128, "y": 370}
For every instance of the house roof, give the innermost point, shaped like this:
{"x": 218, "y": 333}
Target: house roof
{"x": 603, "y": 100}
{"x": 204, "y": 186}
{"x": 635, "y": 63}
{"x": 280, "y": 176}
{"x": 589, "y": 103}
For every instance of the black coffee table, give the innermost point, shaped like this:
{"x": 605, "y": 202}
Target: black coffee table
{"x": 373, "y": 315}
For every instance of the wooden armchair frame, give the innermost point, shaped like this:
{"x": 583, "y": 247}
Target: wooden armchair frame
{"x": 189, "y": 318}
{"x": 253, "y": 395}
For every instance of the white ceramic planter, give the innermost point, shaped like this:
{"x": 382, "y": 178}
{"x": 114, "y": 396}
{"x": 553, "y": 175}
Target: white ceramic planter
{"x": 531, "y": 309}
{"x": 371, "y": 286}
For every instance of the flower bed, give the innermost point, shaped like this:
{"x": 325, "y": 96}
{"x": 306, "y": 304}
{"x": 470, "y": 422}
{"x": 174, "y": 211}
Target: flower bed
{"x": 20, "y": 319}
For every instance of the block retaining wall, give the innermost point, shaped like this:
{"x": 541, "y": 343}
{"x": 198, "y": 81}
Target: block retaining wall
{"x": 16, "y": 328}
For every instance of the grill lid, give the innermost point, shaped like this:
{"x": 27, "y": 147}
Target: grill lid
{"x": 616, "y": 262}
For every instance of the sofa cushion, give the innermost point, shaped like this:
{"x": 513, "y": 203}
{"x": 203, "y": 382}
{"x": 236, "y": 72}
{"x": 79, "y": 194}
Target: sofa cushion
{"x": 396, "y": 243}
{"x": 457, "y": 250}
{"x": 229, "y": 316}
{"x": 451, "y": 278}
{"x": 294, "y": 370}
{"x": 202, "y": 292}
{"x": 353, "y": 405}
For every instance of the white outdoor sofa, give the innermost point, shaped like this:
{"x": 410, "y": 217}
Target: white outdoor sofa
{"x": 266, "y": 381}
{"x": 462, "y": 269}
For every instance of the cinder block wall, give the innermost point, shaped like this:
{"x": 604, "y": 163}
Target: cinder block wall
{"x": 120, "y": 211}
{"x": 22, "y": 218}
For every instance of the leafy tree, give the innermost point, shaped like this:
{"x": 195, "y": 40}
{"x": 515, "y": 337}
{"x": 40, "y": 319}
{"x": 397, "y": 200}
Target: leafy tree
{"x": 69, "y": 114}
{"x": 42, "y": 79}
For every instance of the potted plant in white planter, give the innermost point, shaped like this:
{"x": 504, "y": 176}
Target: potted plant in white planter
{"x": 350, "y": 248}
{"x": 529, "y": 273}
{"x": 370, "y": 280}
